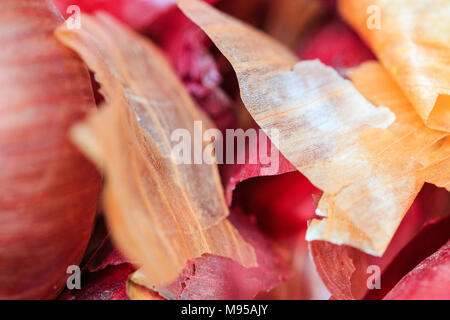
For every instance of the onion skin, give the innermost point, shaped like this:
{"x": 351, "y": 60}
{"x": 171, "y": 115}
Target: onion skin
{"x": 48, "y": 189}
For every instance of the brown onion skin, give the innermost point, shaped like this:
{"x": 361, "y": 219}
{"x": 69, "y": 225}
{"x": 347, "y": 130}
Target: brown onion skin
{"x": 48, "y": 189}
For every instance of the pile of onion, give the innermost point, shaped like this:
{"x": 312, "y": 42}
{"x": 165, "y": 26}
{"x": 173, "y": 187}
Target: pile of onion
{"x": 48, "y": 189}
{"x": 369, "y": 138}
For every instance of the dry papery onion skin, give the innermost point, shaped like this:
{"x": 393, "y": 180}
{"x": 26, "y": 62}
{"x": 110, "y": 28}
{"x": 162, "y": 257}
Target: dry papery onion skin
{"x": 48, "y": 189}
{"x": 161, "y": 214}
{"x": 368, "y": 160}
{"x": 411, "y": 38}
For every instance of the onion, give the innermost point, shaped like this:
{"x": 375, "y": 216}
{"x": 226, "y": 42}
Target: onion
{"x": 48, "y": 190}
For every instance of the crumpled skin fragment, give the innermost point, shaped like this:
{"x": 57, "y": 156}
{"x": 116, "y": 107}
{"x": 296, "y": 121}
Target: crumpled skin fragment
{"x": 411, "y": 38}
{"x": 399, "y": 151}
{"x": 329, "y": 132}
{"x": 161, "y": 213}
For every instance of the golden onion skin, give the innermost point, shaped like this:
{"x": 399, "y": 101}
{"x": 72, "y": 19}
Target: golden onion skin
{"x": 48, "y": 189}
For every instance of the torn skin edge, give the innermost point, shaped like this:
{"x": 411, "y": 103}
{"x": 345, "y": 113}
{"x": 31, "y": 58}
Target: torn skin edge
{"x": 211, "y": 277}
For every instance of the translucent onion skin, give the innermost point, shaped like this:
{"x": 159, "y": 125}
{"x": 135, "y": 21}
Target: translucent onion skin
{"x": 48, "y": 189}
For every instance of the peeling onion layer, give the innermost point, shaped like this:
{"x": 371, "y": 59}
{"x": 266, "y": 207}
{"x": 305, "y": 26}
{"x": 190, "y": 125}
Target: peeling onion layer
{"x": 366, "y": 159}
{"x": 412, "y": 40}
{"x": 161, "y": 214}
